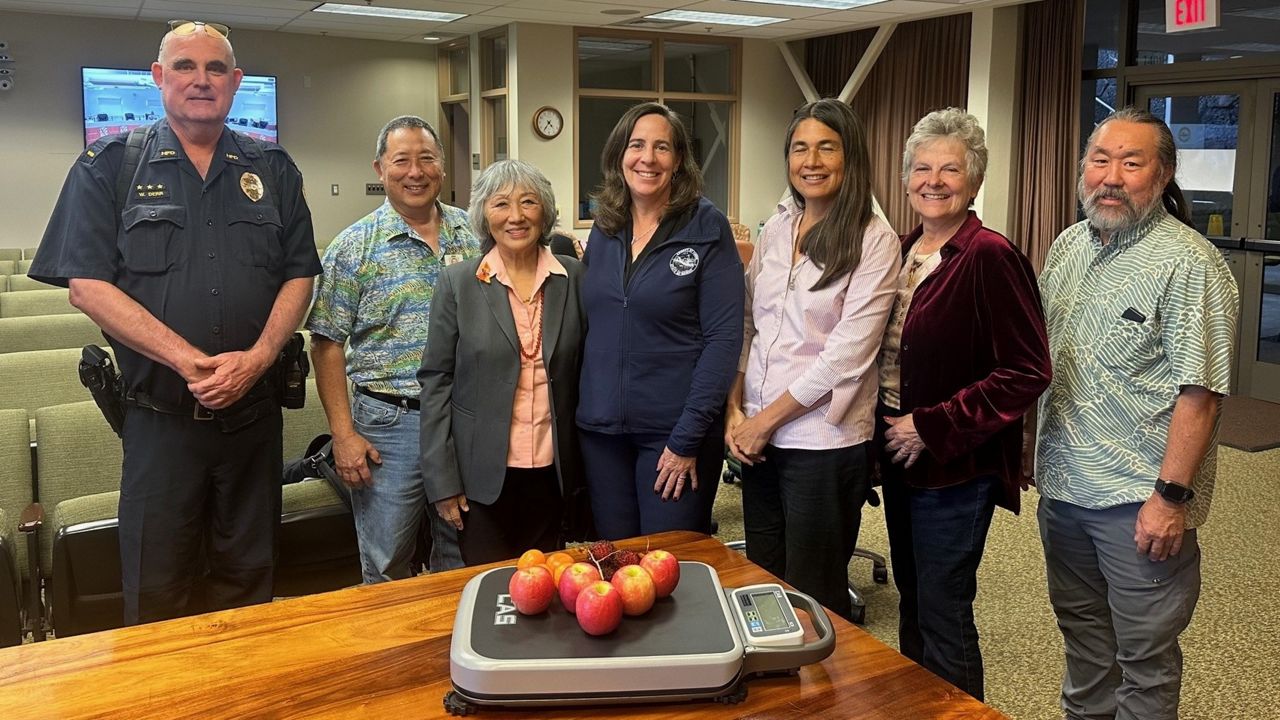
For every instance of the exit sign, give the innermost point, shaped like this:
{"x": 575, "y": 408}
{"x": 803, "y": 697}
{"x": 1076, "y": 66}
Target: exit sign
{"x": 1183, "y": 15}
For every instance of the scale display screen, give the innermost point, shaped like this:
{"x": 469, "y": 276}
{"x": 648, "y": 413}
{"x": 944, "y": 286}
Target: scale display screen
{"x": 770, "y": 611}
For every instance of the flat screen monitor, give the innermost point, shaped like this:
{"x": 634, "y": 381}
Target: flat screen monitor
{"x": 116, "y": 101}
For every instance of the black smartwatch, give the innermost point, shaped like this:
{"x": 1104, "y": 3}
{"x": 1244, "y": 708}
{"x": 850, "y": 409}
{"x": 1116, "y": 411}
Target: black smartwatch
{"x": 1174, "y": 493}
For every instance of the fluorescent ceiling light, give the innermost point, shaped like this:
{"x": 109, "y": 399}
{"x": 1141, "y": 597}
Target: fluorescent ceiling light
{"x": 715, "y": 18}
{"x": 388, "y": 12}
{"x": 822, "y": 4}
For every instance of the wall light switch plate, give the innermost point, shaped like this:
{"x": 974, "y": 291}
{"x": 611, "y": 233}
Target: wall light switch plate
{"x": 333, "y": 189}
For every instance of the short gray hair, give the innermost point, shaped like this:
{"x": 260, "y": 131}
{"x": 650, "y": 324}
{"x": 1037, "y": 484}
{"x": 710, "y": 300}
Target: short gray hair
{"x": 510, "y": 174}
{"x": 405, "y": 122}
{"x": 949, "y": 123}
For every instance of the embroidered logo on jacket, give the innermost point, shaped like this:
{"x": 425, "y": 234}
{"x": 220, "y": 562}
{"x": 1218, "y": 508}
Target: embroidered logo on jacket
{"x": 684, "y": 262}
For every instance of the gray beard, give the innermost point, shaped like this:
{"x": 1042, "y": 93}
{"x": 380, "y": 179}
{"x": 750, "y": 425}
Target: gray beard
{"x": 1118, "y": 219}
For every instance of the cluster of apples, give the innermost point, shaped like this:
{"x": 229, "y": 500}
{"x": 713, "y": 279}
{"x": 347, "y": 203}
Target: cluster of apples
{"x": 597, "y": 593}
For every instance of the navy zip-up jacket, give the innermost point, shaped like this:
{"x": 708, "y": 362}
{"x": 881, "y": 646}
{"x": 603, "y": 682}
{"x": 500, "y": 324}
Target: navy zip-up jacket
{"x": 662, "y": 351}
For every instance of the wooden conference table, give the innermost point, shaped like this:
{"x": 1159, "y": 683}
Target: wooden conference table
{"x": 383, "y": 652}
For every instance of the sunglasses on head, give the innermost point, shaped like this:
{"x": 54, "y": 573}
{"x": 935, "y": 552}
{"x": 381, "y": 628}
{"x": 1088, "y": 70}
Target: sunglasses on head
{"x": 188, "y": 27}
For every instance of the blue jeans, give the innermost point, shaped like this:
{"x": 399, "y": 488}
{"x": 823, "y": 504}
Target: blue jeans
{"x": 1120, "y": 613}
{"x": 801, "y": 511}
{"x": 936, "y": 539}
{"x": 389, "y": 513}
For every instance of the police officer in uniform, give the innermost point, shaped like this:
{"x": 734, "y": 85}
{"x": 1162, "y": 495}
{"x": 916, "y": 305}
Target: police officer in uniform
{"x": 198, "y": 270}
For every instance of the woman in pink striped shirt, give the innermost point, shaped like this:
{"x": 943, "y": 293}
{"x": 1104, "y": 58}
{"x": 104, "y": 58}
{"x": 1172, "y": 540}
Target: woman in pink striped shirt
{"x": 801, "y": 412}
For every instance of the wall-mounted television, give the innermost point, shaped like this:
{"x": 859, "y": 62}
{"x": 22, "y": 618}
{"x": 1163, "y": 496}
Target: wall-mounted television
{"x": 117, "y": 101}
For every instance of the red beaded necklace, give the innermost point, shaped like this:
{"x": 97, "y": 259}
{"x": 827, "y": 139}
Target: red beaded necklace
{"x": 537, "y": 330}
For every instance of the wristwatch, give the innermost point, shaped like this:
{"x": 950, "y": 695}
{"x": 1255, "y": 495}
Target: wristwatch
{"x": 1174, "y": 493}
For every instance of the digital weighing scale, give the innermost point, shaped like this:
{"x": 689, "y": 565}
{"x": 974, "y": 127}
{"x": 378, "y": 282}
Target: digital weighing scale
{"x": 701, "y": 643}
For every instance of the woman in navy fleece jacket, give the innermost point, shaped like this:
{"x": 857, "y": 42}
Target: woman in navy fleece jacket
{"x": 663, "y": 294}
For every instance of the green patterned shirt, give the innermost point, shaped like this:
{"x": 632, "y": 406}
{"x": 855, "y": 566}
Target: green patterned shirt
{"x": 375, "y": 294}
{"x": 1130, "y": 323}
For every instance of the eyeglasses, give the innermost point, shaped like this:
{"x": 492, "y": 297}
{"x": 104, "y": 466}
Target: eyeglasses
{"x": 188, "y": 27}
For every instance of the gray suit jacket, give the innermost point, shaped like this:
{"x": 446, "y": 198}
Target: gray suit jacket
{"x": 469, "y": 373}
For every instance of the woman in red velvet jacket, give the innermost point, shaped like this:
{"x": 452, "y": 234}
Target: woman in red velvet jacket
{"x": 963, "y": 358}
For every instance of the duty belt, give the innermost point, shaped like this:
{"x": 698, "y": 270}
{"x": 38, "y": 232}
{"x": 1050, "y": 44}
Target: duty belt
{"x": 258, "y": 403}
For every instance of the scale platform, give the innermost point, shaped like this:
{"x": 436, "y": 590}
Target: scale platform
{"x": 688, "y": 647}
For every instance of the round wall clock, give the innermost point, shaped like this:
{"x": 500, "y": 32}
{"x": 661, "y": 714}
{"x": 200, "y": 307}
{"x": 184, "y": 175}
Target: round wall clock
{"x": 548, "y": 122}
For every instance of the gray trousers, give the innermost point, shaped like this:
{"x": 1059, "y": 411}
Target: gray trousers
{"x": 1120, "y": 614}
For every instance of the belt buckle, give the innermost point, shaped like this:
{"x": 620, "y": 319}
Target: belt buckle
{"x": 201, "y": 413}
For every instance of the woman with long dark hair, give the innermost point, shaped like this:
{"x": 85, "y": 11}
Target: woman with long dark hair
{"x": 663, "y": 299}
{"x": 801, "y": 411}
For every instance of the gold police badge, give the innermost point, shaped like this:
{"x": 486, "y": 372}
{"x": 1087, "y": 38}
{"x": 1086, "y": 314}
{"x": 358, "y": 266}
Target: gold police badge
{"x": 252, "y": 186}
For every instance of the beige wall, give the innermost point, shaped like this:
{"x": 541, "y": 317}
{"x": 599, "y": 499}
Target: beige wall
{"x": 994, "y": 52}
{"x": 334, "y": 96}
{"x": 769, "y": 96}
{"x": 542, "y": 74}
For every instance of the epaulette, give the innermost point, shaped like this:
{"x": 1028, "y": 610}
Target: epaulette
{"x": 99, "y": 146}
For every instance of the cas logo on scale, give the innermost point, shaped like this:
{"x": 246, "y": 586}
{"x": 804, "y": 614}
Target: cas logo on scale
{"x": 506, "y": 614}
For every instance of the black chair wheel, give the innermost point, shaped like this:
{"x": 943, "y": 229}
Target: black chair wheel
{"x": 859, "y": 615}
{"x": 880, "y": 575}
{"x": 727, "y": 477}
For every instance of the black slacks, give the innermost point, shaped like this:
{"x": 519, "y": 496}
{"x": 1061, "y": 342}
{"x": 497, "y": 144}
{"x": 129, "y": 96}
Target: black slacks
{"x": 526, "y": 515}
{"x": 801, "y": 511}
{"x": 199, "y": 514}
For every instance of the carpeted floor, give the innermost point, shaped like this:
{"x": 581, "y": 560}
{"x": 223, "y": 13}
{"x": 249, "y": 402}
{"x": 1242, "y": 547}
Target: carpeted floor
{"x": 1232, "y": 649}
{"x": 1249, "y": 424}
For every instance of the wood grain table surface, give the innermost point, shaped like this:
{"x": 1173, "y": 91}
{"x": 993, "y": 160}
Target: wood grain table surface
{"x": 382, "y": 651}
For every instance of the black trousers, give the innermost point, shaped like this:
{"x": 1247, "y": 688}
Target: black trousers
{"x": 801, "y": 511}
{"x": 621, "y": 471}
{"x": 199, "y": 514}
{"x": 526, "y": 515}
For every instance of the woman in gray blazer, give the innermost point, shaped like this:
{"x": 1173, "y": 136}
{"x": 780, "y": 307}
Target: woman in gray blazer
{"x": 500, "y": 375}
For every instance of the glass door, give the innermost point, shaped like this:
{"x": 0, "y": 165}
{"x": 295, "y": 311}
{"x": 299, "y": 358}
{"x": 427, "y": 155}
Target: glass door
{"x": 1212, "y": 127}
{"x": 1213, "y": 153}
{"x": 1260, "y": 294}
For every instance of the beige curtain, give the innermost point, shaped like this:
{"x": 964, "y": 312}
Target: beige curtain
{"x": 924, "y": 67}
{"x": 1045, "y": 202}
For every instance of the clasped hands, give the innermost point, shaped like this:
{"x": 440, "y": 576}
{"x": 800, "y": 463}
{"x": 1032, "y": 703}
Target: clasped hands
{"x": 746, "y": 436}
{"x": 903, "y": 442}
{"x": 220, "y": 380}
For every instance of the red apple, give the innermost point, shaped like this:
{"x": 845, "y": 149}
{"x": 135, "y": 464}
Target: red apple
{"x": 532, "y": 590}
{"x": 573, "y": 579}
{"x": 665, "y": 570}
{"x": 599, "y": 608}
{"x": 635, "y": 585}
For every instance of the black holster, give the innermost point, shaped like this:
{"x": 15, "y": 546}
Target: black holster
{"x": 291, "y": 374}
{"x": 98, "y": 374}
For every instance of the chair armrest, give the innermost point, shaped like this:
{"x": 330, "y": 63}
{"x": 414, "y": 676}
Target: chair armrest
{"x": 31, "y": 519}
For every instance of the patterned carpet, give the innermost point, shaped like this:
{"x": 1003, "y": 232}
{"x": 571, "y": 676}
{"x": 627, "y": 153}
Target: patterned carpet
{"x": 1232, "y": 650}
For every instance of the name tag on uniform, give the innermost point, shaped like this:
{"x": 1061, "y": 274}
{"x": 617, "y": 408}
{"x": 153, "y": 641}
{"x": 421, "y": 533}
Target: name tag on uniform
{"x": 151, "y": 191}
{"x": 452, "y": 258}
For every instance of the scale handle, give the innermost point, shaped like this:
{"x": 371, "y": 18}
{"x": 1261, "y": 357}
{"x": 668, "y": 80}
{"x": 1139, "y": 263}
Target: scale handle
{"x": 775, "y": 659}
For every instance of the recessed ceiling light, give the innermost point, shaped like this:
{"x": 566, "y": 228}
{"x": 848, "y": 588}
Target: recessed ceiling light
{"x": 619, "y": 11}
{"x": 388, "y": 12}
{"x": 822, "y": 4}
{"x": 715, "y": 18}
{"x": 431, "y": 37}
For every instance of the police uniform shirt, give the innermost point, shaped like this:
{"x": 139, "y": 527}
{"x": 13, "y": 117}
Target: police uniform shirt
{"x": 206, "y": 257}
